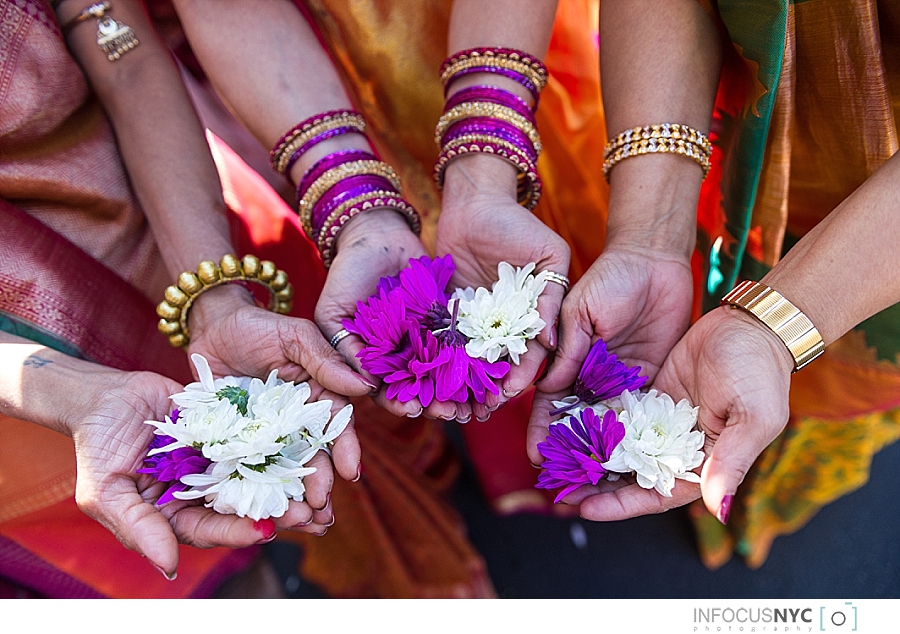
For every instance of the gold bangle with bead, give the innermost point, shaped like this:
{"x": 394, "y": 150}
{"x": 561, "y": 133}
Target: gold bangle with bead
{"x": 173, "y": 310}
{"x": 657, "y": 146}
{"x": 470, "y": 109}
{"x": 282, "y": 154}
{"x": 677, "y": 131}
{"x": 533, "y": 73}
{"x": 788, "y": 322}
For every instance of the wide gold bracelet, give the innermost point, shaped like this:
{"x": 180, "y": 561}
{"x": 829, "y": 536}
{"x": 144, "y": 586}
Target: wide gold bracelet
{"x": 173, "y": 310}
{"x": 787, "y": 321}
{"x": 661, "y": 138}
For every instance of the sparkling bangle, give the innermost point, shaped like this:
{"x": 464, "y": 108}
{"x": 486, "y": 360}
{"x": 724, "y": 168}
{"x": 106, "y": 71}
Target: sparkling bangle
{"x": 484, "y": 109}
{"x": 787, "y": 321}
{"x": 309, "y": 132}
{"x": 505, "y": 61}
{"x": 657, "y": 146}
{"x": 675, "y": 131}
{"x": 173, "y": 310}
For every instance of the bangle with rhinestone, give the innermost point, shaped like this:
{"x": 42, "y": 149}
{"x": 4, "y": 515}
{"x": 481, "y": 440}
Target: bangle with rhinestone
{"x": 788, "y": 322}
{"x": 675, "y": 131}
{"x": 657, "y": 146}
{"x": 301, "y": 135}
{"x": 492, "y": 128}
{"x": 343, "y": 191}
{"x": 173, "y": 310}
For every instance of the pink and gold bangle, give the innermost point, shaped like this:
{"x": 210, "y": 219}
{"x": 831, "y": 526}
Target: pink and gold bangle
{"x": 506, "y": 59}
{"x": 173, "y": 310}
{"x": 316, "y": 128}
{"x": 484, "y": 109}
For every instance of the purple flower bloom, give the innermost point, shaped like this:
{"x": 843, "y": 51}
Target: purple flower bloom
{"x": 575, "y": 451}
{"x": 383, "y": 324}
{"x": 603, "y": 376}
{"x": 423, "y": 285}
{"x": 413, "y": 375}
{"x": 170, "y": 466}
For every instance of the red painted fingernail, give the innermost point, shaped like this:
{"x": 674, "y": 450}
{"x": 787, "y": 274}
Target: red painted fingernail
{"x": 266, "y": 528}
{"x": 725, "y": 509}
{"x": 169, "y": 577}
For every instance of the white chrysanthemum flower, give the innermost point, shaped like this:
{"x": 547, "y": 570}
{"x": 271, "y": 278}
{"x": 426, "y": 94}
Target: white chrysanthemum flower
{"x": 201, "y": 427}
{"x": 576, "y": 406}
{"x": 660, "y": 443}
{"x": 499, "y": 322}
{"x": 206, "y": 390}
{"x": 257, "y": 491}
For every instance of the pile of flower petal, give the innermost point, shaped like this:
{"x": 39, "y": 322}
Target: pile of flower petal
{"x": 427, "y": 344}
{"x": 241, "y": 443}
{"x": 611, "y": 428}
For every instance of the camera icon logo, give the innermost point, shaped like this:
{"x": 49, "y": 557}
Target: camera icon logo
{"x": 838, "y": 618}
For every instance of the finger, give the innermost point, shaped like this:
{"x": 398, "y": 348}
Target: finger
{"x": 463, "y": 412}
{"x": 632, "y": 501}
{"x": 443, "y": 411}
{"x": 305, "y": 345}
{"x": 745, "y": 436}
{"x": 411, "y": 409}
{"x": 346, "y": 453}
{"x": 325, "y": 515}
{"x": 574, "y": 344}
{"x": 539, "y": 422}
{"x": 318, "y": 484}
{"x": 521, "y": 376}
{"x": 312, "y": 528}
{"x": 201, "y": 527}
{"x": 480, "y": 412}
{"x": 548, "y": 308}
{"x": 139, "y": 526}
{"x": 348, "y": 348}
{"x": 298, "y": 515}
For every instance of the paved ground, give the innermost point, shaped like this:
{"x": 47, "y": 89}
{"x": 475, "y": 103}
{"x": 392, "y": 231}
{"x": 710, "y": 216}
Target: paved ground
{"x": 851, "y": 549}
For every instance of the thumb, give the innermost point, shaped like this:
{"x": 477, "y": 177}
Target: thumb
{"x": 574, "y": 345}
{"x": 548, "y": 307}
{"x": 307, "y": 346}
{"x": 743, "y": 439}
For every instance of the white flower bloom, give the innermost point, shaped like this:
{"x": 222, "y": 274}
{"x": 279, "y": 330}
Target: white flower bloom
{"x": 499, "y": 322}
{"x": 205, "y": 391}
{"x": 600, "y": 407}
{"x": 201, "y": 427}
{"x": 660, "y": 443}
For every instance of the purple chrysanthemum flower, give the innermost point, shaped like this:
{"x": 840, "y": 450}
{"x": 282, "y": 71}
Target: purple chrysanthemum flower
{"x": 169, "y": 466}
{"x": 603, "y": 376}
{"x": 383, "y": 324}
{"x": 413, "y": 375}
{"x": 575, "y": 451}
{"x": 423, "y": 285}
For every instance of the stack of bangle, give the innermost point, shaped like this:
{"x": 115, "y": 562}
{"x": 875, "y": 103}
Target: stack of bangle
{"x": 173, "y": 310}
{"x": 306, "y": 134}
{"x": 672, "y": 138}
{"x": 519, "y": 66}
{"x": 341, "y": 186}
{"x": 491, "y": 120}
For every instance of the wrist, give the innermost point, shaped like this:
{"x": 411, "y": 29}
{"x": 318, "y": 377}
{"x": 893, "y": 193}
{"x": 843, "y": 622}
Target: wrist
{"x": 479, "y": 175}
{"x": 773, "y": 343}
{"x": 217, "y": 304}
{"x": 377, "y": 222}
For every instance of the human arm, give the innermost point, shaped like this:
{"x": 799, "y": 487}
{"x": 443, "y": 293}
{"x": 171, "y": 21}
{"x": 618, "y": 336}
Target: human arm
{"x": 481, "y": 223}
{"x": 738, "y": 371}
{"x": 659, "y": 64}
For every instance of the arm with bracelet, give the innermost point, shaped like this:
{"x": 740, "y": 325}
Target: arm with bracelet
{"x": 171, "y": 170}
{"x": 487, "y": 166}
{"x": 659, "y": 73}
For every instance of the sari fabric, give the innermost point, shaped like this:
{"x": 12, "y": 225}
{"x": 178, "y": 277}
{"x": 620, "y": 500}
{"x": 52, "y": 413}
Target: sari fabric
{"x": 794, "y": 75}
{"x": 78, "y": 271}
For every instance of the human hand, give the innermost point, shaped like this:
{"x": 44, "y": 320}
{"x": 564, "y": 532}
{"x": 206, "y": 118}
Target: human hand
{"x": 376, "y": 244}
{"x": 638, "y": 302}
{"x": 111, "y": 440}
{"x": 481, "y": 225}
{"x": 738, "y": 372}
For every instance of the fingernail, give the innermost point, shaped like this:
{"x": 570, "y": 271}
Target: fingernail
{"x": 509, "y": 394}
{"x": 553, "y": 337}
{"x": 325, "y": 530}
{"x": 448, "y": 418}
{"x": 266, "y": 528}
{"x": 536, "y": 466}
{"x": 165, "y": 574}
{"x": 372, "y": 387}
{"x": 358, "y": 473}
{"x": 725, "y": 509}
{"x": 465, "y": 420}
{"x": 302, "y": 524}
{"x": 331, "y": 523}
{"x": 542, "y": 376}
{"x": 482, "y": 420}
{"x": 415, "y": 414}
{"x": 327, "y": 500}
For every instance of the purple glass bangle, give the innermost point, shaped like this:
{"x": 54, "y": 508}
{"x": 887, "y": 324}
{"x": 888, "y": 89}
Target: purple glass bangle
{"x": 306, "y": 147}
{"x": 347, "y": 189}
{"x": 491, "y": 127}
{"x": 491, "y": 94}
{"x": 306, "y": 123}
{"x": 504, "y": 72}
{"x": 330, "y": 162}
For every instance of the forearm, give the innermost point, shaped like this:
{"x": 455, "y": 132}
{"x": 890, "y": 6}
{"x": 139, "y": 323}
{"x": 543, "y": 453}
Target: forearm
{"x": 271, "y": 70}
{"x": 160, "y": 138}
{"x": 43, "y": 386}
{"x": 845, "y": 269}
{"x": 523, "y": 25}
{"x": 660, "y": 63}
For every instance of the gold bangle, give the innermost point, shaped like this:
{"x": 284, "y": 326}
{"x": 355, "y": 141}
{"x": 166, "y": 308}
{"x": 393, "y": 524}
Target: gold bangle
{"x": 470, "y": 109}
{"x": 659, "y": 131}
{"x": 788, "y": 322}
{"x": 657, "y": 146}
{"x": 282, "y": 154}
{"x": 114, "y": 38}
{"x": 535, "y": 74}
{"x": 335, "y": 175}
{"x": 173, "y": 310}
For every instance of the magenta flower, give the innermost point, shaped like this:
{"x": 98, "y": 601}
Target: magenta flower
{"x": 575, "y": 451}
{"x": 603, "y": 376}
{"x": 383, "y": 324}
{"x": 413, "y": 370}
{"x": 169, "y": 467}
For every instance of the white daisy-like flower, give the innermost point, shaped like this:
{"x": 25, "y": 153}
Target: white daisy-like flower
{"x": 206, "y": 390}
{"x": 660, "y": 443}
{"x": 576, "y": 406}
{"x": 499, "y": 322}
{"x": 201, "y": 427}
{"x": 257, "y": 492}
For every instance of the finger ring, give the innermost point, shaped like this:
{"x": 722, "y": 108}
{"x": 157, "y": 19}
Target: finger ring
{"x": 559, "y": 278}
{"x": 338, "y": 337}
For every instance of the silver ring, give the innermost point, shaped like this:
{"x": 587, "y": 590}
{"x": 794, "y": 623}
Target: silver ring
{"x": 338, "y": 337}
{"x": 559, "y": 278}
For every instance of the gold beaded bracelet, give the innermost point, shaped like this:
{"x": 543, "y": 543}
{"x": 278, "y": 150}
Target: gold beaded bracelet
{"x": 675, "y": 131}
{"x": 657, "y": 146}
{"x": 173, "y": 310}
{"x": 534, "y": 71}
